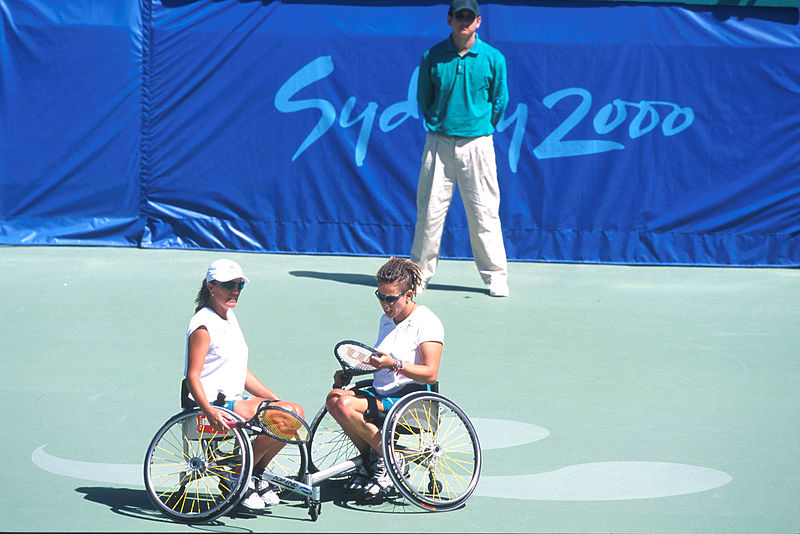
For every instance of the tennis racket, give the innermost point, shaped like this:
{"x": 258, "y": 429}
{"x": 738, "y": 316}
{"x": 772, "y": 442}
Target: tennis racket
{"x": 354, "y": 357}
{"x": 282, "y": 424}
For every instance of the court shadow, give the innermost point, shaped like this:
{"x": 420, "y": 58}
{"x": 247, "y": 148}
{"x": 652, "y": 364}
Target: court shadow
{"x": 124, "y": 501}
{"x": 135, "y": 504}
{"x": 391, "y": 503}
{"x": 344, "y": 278}
{"x": 369, "y": 281}
{"x": 461, "y": 289}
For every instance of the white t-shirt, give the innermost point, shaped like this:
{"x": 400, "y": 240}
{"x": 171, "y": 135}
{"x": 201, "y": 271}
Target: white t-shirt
{"x": 402, "y": 341}
{"x": 225, "y": 369}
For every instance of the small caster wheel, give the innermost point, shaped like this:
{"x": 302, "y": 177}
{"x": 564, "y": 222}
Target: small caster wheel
{"x": 314, "y": 510}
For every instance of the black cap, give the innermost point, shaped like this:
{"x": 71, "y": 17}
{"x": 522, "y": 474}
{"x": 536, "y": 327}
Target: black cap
{"x": 458, "y": 5}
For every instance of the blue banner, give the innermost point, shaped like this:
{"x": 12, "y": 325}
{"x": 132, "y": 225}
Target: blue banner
{"x": 634, "y": 134}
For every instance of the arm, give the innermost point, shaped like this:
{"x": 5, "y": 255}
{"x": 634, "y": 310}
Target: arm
{"x": 426, "y": 372}
{"x": 198, "y": 344}
{"x": 424, "y": 88}
{"x": 498, "y": 90}
{"x": 254, "y": 386}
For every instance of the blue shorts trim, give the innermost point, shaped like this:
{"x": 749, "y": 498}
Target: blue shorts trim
{"x": 230, "y": 403}
{"x": 387, "y": 402}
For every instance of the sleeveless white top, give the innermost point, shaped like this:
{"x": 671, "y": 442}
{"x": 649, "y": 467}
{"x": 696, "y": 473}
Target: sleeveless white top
{"x": 402, "y": 341}
{"x": 225, "y": 368}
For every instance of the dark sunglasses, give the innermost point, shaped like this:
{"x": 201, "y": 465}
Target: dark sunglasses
{"x": 388, "y": 299}
{"x": 465, "y": 15}
{"x": 232, "y": 284}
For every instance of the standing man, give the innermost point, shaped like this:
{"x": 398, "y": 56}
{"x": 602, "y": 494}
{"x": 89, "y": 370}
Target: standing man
{"x": 462, "y": 93}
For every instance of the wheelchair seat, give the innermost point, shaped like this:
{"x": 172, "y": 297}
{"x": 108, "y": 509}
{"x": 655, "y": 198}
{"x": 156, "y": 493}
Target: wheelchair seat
{"x": 187, "y": 403}
{"x": 377, "y": 417}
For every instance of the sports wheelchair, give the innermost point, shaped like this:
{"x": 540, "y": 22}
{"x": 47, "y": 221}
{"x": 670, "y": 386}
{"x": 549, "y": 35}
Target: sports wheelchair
{"x": 195, "y": 474}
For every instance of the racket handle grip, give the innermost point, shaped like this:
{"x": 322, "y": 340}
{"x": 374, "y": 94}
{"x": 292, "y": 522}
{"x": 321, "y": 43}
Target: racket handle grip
{"x": 344, "y": 378}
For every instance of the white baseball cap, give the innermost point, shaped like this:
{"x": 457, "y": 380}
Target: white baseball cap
{"x": 223, "y": 270}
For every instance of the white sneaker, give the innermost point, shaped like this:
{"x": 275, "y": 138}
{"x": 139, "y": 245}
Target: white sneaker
{"x": 359, "y": 480}
{"x": 252, "y": 500}
{"x": 267, "y": 492}
{"x": 380, "y": 480}
{"x": 498, "y": 288}
{"x": 270, "y": 497}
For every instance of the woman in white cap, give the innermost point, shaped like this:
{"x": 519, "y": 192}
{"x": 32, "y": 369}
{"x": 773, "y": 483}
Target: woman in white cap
{"x": 217, "y": 373}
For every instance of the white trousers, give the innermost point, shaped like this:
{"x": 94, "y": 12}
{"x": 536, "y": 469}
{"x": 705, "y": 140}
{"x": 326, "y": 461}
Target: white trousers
{"x": 468, "y": 163}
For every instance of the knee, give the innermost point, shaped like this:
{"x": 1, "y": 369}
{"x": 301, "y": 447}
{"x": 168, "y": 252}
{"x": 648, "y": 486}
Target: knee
{"x": 296, "y": 408}
{"x": 338, "y": 405}
{"x": 246, "y": 408}
{"x": 332, "y": 403}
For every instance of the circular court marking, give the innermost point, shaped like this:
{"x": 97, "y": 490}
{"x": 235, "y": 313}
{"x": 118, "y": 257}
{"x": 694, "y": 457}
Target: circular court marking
{"x": 504, "y": 433}
{"x": 599, "y": 481}
{"x": 605, "y": 481}
{"x": 124, "y": 474}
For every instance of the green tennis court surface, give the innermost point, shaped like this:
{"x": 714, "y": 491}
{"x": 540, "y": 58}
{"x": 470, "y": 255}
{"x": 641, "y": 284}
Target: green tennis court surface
{"x": 607, "y": 398}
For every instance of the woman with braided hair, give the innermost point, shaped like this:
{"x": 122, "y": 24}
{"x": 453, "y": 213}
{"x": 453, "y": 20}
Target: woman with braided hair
{"x": 410, "y": 339}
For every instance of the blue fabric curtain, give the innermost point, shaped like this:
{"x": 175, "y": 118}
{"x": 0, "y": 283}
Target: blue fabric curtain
{"x": 635, "y": 133}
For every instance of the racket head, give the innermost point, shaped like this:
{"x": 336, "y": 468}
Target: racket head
{"x": 354, "y": 357}
{"x": 282, "y": 424}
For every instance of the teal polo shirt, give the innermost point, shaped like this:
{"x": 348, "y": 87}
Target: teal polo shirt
{"x": 462, "y": 96}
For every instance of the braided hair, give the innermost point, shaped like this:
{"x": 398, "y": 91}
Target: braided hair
{"x": 405, "y": 273}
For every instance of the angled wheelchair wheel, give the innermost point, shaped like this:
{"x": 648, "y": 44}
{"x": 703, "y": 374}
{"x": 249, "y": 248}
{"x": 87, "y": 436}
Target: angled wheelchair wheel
{"x": 432, "y": 451}
{"x": 329, "y": 445}
{"x": 193, "y": 473}
{"x": 290, "y": 462}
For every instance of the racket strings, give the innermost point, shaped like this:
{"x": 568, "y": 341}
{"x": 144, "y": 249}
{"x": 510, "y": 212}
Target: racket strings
{"x": 355, "y": 357}
{"x": 283, "y": 425}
